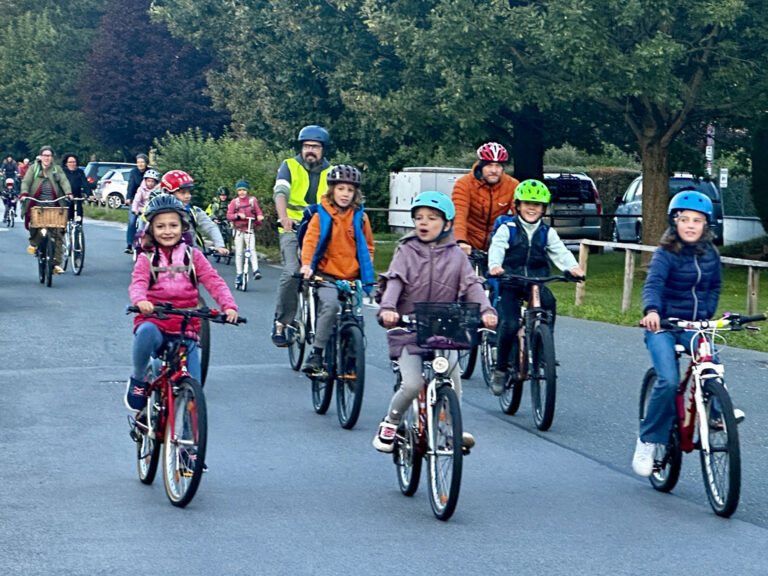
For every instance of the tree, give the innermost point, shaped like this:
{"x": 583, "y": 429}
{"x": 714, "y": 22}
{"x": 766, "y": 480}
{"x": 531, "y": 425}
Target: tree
{"x": 140, "y": 83}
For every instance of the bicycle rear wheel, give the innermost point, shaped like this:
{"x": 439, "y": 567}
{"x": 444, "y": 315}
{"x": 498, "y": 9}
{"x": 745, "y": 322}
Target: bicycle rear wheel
{"x": 667, "y": 459}
{"x": 407, "y": 456}
{"x": 467, "y": 360}
{"x": 78, "y": 250}
{"x": 488, "y": 351}
{"x": 184, "y": 444}
{"x": 12, "y": 217}
{"x": 721, "y": 466}
{"x": 41, "y": 251}
{"x": 445, "y": 454}
{"x": 544, "y": 378}
{"x": 350, "y": 376}
{"x": 50, "y": 252}
{"x": 148, "y": 448}
{"x": 297, "y": 334}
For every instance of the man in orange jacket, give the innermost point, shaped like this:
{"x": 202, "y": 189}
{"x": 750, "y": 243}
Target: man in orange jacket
{"x": 482, "y": 196}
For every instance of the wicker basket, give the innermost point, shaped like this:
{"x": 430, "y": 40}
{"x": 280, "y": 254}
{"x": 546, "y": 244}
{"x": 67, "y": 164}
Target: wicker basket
{"x": 447, "y": 325}
{"x": 48, "y": 217}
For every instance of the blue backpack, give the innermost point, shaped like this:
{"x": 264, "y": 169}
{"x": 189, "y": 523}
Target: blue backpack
{"x": 309, "y": 211}
{"x": 506, "y": 219}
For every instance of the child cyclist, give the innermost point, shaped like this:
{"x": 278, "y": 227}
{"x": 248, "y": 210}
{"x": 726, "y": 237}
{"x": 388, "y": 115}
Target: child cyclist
{"x": 524, "y": 245}
{"x": 168, "y": 271}
{"x": 149, "y": 187}
{"x": 238, "y": 212}
{"x": 683, "y": 282}
{"x": 337, "y": 245}
{"x": 217, "y": 210}
{"x": 428, "y": 266}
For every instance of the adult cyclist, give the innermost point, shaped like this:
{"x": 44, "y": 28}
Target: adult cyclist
{"x": 481, "y": 196}
{"x": 301, "y": 181}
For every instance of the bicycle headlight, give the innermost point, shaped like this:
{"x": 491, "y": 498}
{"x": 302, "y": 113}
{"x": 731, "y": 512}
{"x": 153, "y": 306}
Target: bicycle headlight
{"x": 440, "y": 365}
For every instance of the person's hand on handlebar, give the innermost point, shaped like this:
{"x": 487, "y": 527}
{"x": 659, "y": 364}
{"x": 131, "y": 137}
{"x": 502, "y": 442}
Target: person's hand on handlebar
{"x": 490, "y": 320}
{"x": 231, "y": 315}
{"x": 466, "y": 248}
{"x": 496, "y": 271}
{"x": 306, "y": 271}
{"x": 389, "y": 318}
{"x": 221, "y": 250}
{"x": 577, "y": 271}
{"x": 286, "y": 223}
{"x": 652, "y": 321}
{"x": 145, "y": 307}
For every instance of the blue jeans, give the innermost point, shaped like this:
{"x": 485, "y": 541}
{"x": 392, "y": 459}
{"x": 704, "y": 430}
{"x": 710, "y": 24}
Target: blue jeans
{"x": 149, "y": 340}
{"x": 130, "y": 233}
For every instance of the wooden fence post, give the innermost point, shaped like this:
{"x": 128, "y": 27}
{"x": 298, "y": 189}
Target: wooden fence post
{"x": 753, "y": 283}
{"x": 583, "y": 254}
{"x": 629, "y": 277}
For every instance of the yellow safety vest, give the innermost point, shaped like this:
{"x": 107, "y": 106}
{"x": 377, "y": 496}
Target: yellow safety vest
{"x": 299, "y": 188}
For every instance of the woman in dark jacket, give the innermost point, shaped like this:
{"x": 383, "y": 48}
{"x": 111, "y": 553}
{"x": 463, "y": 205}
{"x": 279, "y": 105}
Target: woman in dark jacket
{"x": 78, "y": 183}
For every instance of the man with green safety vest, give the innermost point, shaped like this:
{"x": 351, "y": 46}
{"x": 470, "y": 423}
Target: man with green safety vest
{"x": 300, "y": 182}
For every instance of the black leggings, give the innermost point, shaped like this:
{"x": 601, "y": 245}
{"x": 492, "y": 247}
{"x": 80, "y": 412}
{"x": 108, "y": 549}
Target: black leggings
{"x": 510, "y": 300}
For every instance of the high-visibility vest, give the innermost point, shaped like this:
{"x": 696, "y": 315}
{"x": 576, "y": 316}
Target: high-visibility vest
{"x": 297, "y": 200}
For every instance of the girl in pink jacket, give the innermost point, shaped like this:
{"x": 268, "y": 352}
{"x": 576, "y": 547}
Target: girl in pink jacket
{"x": 169, "y": 272}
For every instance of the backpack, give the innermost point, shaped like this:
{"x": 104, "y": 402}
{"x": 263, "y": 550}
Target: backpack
{"x": 301, "y": 231}
{"x": 188, "y": 266}
{"x": 508, "y": 220}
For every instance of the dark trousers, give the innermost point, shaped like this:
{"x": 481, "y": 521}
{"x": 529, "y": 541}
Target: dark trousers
{"x": 510, "y": 300}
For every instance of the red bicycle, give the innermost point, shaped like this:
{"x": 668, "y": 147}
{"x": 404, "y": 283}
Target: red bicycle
{"x": 175, "y": 415}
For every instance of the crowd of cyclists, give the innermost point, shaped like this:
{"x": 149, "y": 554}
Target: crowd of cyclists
{"x": 489, "y": 211}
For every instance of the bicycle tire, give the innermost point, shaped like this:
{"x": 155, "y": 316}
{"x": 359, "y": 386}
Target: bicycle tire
{"x": 407, "y": 456}
{"x": 721, "y": 466}
{"x": 467, "y": 361}
{"x": 322, "y": 386}
{"x": 12, "y": 218}
{"x": 78, "y": 250}
{"x": 244, "y": 282}
{"x": 513, "y": 392}
{"x": 298, "y": 334}
{"x": 488, "y": 352}
{"x": 350, "y": 375}
{"x": 444, "y": 457}
{"x": 667, "y": 459}
{"x": 148, "y": 449}
{"x": 183, "y": 464}
{"x": 544, "y": 378}
{"x": 205, "y": 349}
{"x": 50, "y": 252}
{"x": 41, "y": 262}
{"x": 66, "y": 246}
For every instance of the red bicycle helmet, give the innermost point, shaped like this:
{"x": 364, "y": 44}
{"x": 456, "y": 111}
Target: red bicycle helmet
{"x": 492, "y": 152}
{"x": 176, "y": 179}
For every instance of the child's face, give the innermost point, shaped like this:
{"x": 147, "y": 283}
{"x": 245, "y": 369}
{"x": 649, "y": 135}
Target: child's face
{"x": 166, "y": 229}
{"x": 531, "y": 211}
{"x": 429, "y": 223}
{"x": 184, "y": 195}
{"x": 242, "y": 192}
{"x": 150, "y": 182}
{"x": 690, "y": 225}
{"x": 343, "y": 194}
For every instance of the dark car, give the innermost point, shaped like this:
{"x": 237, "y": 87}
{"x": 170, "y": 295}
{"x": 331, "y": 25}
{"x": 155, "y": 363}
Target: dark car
{"x": 95, "y": 170}
{"x": 628, "y": 224}
{"x": 575, "y": 206}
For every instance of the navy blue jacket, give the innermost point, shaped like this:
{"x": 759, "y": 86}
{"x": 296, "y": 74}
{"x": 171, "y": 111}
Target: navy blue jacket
{"x": 683, "y": 285}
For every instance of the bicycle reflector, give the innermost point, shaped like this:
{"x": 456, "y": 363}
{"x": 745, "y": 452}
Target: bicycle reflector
{"x": 440, "y": 365}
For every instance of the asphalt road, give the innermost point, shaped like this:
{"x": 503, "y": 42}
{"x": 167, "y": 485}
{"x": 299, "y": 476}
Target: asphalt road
{"x": 290, "y": 492}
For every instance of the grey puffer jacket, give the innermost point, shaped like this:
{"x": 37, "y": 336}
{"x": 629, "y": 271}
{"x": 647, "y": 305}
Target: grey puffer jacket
{"x": 423, "y": 273}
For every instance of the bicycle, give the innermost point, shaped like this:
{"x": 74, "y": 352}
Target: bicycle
{"x": 301, "y": 332}
{"x": 468, "y": 358}
{"x": 9, "y": 199}
{"x": 175, "y": 415}
{"x": 73, "y": 247}
{"x": 225, "y": 227}
{"x": 532, "y": 355}
{"x": 705, "y": 416}
{"x": 246, "y": 255}
{"x": 46, "y": 219}
{"x": 432, "y": 428}
{"x": 344, "y": 354}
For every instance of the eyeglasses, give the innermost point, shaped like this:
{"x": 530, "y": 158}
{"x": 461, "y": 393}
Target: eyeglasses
{"x": 312, "y": 146}
{"x": 46, "y": 155}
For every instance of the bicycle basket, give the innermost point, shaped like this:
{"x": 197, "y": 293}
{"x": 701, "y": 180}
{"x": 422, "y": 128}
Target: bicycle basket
{"x": 40, "y": 217}
{"x": 447, "y": 325}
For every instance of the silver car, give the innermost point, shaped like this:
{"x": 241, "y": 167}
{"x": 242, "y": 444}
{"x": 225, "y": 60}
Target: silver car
{"x": 112, "y": 187}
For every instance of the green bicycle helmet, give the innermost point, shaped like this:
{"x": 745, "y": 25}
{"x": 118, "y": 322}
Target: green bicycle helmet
{"x": 532, "y": 191}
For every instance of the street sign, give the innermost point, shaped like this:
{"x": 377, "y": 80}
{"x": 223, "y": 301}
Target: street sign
{"x": 723, "y": 177}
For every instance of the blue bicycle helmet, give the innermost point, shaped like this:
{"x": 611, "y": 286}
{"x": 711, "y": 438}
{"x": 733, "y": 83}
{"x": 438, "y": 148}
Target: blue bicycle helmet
{"x": 690, "y": 200}
{"x": 436, "y": 200}
{"x": 314, "y": 133}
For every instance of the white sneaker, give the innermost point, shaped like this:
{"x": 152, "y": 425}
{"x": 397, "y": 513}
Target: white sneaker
{"x": 384, "y": 441}
{"x": 738, "y": 415}
{"x": 642, "y": 461}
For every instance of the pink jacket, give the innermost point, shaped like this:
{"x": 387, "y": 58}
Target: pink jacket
{"x": 141, "y": 196}
{"x": 248, "y": 206}
{"x": 176, "y": 287}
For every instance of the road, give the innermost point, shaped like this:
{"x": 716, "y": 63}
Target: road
{"x": 290, "y": 492}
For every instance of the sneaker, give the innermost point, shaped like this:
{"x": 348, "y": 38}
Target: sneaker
{"x": 314, "y": 364}
{"x": 256, "y": 275}
{"x": 739, "y": 415}
{"x": 278, "y": 335}
{"x": 238, "y": 281}
{"x": 467, "y": 440}
{"x": 135, "y": 394}
{"x": 499, "y": 382}
{"x": 58, "y": 270}
{"x": 384, "y": 441}
{"x": 31, "y": 249}
{"x": 128, "y": 249}
{"x": 642, "y": 461}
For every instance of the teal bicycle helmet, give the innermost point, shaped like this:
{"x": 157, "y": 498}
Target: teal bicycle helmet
{"x": 437, "y": 201}
{"x": 690, "y": 200}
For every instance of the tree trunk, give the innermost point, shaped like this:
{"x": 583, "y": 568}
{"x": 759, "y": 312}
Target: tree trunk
{"x": 528, "y": 144}
{"x": 760, "y": 169}
{"x": 655, "y": 158}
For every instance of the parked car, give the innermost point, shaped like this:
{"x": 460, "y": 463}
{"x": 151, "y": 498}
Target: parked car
{"x": 575, "y": 207}
{"x": 94, "y": 171}
{"x": 627, "y": 226}
{"x": 112, "y": 187}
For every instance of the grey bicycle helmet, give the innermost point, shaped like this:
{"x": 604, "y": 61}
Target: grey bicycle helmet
{"x": 344, "y": 173}
{"x": 166, "y": 203}
{"x": 152, "y": 173}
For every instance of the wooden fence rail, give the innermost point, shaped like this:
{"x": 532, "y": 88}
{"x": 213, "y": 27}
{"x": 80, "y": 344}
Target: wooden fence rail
{"x": 753, "y": 271}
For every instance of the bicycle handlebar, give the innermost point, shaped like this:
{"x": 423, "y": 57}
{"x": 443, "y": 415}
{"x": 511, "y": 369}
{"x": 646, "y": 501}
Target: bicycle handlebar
{"x": 320, "y": 281}
{"x": 728, "y": 320}
{"x": 514, "y": 278}
{"x": 162, "y": 311}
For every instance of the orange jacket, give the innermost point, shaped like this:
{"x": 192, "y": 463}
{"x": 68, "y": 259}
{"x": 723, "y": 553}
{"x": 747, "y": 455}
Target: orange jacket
{"x": 478, "y": 205}
{"x": 340, "y": 258}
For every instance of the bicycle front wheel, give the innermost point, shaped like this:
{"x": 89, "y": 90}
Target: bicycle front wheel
{"x": 66, "y": 246}
{"x": 50, "y": 253}
{"x": 42, "y": 266}
{"x": 513, "y": 392}
{"x": 667, "y": 459}
{"x": 322, "y": 386}
{"x": 350, "y": 376}
{"x": 148, "y": 448}
{"x": 407, "y": 456}
{"x": 445, "y": 454}
{"x": 721, "y": 465}
{"x": 544, "y": 378}
{"x": 184, "y": 443}
{"x": 297, "y": 334}
{"x": 78, "y": 250}
{"x": 205, "y": 349}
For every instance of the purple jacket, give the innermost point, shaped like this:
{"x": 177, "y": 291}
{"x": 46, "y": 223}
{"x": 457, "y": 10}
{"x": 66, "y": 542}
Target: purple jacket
{"x": 422, "y": 273}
